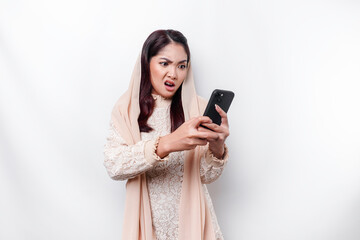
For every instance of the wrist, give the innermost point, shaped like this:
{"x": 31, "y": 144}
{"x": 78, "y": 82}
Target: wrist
{"x": 162, "y": 149}
{"x": 217, "y": 151}
{"x": 214, "y": 161}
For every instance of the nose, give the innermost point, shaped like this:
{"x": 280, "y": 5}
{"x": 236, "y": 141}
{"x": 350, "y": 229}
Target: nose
{"x": 172, "y": 73}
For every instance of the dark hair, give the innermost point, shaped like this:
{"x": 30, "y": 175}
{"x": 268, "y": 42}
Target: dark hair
{"x": 153, "y": 44}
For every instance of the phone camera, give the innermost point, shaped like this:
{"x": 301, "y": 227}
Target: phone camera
{"x": 219, "y": 96}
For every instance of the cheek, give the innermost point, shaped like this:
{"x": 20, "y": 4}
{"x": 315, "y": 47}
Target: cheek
{"x": 154, "y": 70}
{"x": 182, "y": 75}
{"x": 157, "y": 74}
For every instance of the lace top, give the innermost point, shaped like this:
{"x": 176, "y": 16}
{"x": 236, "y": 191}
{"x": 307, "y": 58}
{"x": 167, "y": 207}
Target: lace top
{"x": 164, "y": 176}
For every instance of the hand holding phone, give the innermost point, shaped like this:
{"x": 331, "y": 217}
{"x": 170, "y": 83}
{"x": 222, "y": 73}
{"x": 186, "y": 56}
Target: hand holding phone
{"x": 223, "y": 99}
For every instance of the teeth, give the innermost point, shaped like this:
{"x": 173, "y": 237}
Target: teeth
{"x": 169, "y": 84}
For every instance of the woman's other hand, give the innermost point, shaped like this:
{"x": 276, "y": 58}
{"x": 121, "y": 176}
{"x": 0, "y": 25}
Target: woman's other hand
{"x": 187, "y": 136}
{"x": 216, "y": 144}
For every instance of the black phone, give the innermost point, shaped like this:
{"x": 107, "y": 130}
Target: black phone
{"x": 223, "y": 99}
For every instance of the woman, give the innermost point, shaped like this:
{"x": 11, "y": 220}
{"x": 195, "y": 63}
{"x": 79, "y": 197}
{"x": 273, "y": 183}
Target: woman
{"x": 157, "y": 144}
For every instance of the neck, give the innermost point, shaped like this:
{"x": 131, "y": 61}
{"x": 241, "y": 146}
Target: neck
{"x": 160, "y": 101}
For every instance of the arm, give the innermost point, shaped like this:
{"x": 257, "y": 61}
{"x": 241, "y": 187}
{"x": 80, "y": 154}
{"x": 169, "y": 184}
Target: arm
{"x": 186, "y": 137}
{"x": 124, "y": 161}
{"x": 190, "y": 134}
{"x": 211, "y": 167}
{"x": 217, "y": 144}
{"x": 216, "y": 153}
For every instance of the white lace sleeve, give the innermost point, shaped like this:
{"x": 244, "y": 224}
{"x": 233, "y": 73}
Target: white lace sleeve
{"x": 212, "y": 167}
{"x": 124, "y": 161}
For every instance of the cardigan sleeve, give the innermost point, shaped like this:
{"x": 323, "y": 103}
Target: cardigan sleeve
{"x": 123, "y": 161}
{"x": 211, "y": 167}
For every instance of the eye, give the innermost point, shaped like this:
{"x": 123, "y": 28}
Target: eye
{"x": 182, "y": 66}
{"x": 164, "y": 64}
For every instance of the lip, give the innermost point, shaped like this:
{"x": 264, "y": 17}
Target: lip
{"x": 170, "y": 88}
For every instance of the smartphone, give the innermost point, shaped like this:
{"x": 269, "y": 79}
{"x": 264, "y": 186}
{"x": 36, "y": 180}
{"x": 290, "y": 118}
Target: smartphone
{"x": 223, "y": 99}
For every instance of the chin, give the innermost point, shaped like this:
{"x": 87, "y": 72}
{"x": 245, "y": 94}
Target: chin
{"x": 168, "y": 95}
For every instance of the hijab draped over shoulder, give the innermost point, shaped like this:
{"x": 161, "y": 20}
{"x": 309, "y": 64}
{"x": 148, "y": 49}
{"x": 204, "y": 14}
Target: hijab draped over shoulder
{"x": 194, "y": 216}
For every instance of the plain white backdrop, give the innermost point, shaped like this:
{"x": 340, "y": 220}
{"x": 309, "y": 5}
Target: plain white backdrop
{"x": 294, "y": 170}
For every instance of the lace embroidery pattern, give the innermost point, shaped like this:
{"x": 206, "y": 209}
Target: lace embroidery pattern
{"x": 122, "y": 161}
{"x": 208, "y": 172}
{"x": 164, "y": 179}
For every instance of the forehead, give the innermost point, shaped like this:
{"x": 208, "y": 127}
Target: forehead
{"x": 173, "y": 51}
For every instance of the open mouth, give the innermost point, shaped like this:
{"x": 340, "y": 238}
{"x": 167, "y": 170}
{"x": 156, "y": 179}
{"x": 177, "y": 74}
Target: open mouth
{"x": 169, "y": 85}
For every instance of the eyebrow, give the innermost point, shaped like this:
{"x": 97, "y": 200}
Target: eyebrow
{"x": 172, "y": 61}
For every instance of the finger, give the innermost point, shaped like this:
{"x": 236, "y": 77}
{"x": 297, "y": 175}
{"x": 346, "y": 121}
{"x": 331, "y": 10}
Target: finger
{"x": 212, "y": 136}
{"x": 200, "y": 141}
{"x": 200, "y": 120}
{"x": 220, "y": 111}
{"x": 221, "y": 130}
{"x": 206, "y": 134}
{"x": 222, "y": 114}
{"x": 212, "y": 126}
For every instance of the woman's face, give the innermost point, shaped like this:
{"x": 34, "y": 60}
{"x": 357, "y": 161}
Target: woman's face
{"x": 168, "y": 69}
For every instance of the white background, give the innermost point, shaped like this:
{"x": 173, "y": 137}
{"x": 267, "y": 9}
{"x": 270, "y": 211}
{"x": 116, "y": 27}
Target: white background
{"x": 294, "y": 171}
